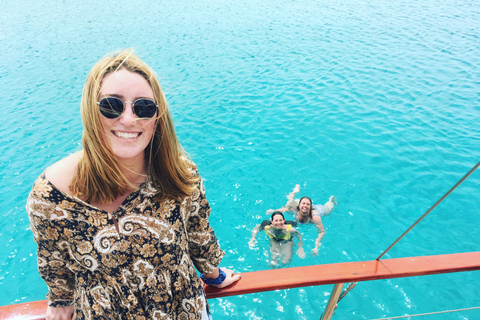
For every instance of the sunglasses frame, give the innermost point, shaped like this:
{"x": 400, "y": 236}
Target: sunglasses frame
{"x": 123, "y": 110}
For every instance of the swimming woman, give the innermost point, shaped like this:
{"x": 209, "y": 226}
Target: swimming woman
{"x": 306, "y": 212}
{"x": 280, "y": 236}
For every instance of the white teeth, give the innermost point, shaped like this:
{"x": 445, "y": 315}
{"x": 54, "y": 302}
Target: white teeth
{"x": 126, "y": 135}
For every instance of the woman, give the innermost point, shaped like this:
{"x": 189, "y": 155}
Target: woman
{"x": 121, "y": 224}
{"x": 280, "y": 236}
{"x": 305, "y": 212}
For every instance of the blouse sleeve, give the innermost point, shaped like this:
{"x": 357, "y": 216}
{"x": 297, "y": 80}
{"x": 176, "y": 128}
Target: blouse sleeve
{"x": 46, "y": 222}
{"x": 203, "y": 246}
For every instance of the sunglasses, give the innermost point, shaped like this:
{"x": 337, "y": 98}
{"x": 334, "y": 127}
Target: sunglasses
{"x": 111, "y": 107}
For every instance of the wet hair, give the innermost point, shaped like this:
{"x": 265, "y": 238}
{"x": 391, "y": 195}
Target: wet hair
{"x": 310, "y": 212}
{"x": 276, "y": 213}
{"x": 99, "y": 176}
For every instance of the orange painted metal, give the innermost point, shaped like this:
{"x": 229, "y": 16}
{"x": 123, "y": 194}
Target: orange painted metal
{"x": 35, "y": 310}
{"x": 268, "y": 280}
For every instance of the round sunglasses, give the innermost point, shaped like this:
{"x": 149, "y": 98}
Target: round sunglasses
{"x": 111, "y": 107}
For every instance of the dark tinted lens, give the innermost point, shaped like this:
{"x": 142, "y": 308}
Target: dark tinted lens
{"x": 145, "y": 108}
{"x": 111, "y": 107}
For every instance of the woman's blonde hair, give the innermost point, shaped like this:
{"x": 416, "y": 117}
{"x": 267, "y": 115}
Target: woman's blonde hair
{"x": 99, "y": 178}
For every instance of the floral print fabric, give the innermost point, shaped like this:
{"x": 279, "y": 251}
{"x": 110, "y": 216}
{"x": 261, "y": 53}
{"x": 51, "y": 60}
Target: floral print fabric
{"x": 145, "y": 270}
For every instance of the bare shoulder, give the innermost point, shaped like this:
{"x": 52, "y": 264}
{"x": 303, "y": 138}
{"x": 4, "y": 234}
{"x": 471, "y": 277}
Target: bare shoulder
{"x": 62, "y": 172}
{"x": 317, "y": 220}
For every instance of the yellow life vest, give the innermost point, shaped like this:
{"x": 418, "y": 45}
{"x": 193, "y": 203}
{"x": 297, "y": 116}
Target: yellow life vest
{"x": 285, "y": 236}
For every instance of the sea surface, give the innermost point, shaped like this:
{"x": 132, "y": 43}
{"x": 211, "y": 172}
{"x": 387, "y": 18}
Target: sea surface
{"x": 375, "y": 102}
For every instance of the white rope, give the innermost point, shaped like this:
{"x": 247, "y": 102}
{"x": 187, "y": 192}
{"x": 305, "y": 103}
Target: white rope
{"x": 427, "y": 314}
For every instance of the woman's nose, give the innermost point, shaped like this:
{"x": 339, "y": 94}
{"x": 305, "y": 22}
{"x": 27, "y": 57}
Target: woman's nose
{"x": 128, "y": 116}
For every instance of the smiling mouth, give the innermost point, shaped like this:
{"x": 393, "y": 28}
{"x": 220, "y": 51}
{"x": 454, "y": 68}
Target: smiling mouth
{"x": 126, "y": 135}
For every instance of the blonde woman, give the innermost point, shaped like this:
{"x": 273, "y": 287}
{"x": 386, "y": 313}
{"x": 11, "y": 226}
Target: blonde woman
{"x": 122, "y": 224}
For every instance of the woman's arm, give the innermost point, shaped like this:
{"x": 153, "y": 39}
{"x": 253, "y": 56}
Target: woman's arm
{"x": 256, "y": 230}
{"x": 300, "y": 251}
{"x": 46, "y": 224}
{"x": 252, "y": 241}
{"x": 202, "y": 240}
{"x": 321, "y": 232}
{"x": 203, "y": 246}
{"x": 291, "y": 204}
{"x": 229, "y": 275}
{"x": 282, "y": 210}
{"x": 290, "y": 208}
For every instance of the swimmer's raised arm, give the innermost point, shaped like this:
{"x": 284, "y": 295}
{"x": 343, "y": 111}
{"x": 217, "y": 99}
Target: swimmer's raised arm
{"x": 291, "y": 202}
{"x": 282, "y": 210}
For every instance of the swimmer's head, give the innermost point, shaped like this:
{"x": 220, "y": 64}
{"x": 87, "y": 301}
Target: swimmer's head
{"x": 277, "y": 219}
{"x": 304, "y": 207}
{"x": 276, "y": 213}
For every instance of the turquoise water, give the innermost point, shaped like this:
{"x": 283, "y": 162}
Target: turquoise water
{"x": 376, "y": 102}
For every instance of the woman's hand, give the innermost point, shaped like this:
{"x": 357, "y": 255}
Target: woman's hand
{"x": 314, "y": 252}
{"x": 231, "y": 278}
{"x": 300, "y": 253}
{"x": 62, "y": 313}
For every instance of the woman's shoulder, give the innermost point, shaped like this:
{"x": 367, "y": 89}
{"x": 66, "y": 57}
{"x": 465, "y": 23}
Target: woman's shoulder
{"x": 61, "y": 173}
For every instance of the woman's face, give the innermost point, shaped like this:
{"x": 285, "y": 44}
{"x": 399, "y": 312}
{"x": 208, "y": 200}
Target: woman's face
{"x": 127, "y": 135}
{"x": 304, "y": 205}
{"x": 278, "y": 221}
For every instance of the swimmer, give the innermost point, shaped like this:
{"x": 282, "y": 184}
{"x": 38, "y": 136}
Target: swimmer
{"x": 280, "y": 236}
{"x": 306, "y": 212}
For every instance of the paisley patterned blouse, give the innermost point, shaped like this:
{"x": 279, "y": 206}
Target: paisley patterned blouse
{"x": 145, "y": 270}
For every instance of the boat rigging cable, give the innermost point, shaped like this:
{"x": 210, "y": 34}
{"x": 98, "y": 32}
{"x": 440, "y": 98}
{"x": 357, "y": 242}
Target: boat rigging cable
{"x": 349, "y": 287}
{"x": 332, "y": 304}
{"x": 428, "y": 314}
{"x": 431, "y": 208}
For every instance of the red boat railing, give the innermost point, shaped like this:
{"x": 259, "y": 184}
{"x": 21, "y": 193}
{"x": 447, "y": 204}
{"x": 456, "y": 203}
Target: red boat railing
{"x": 335, "y": 273}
